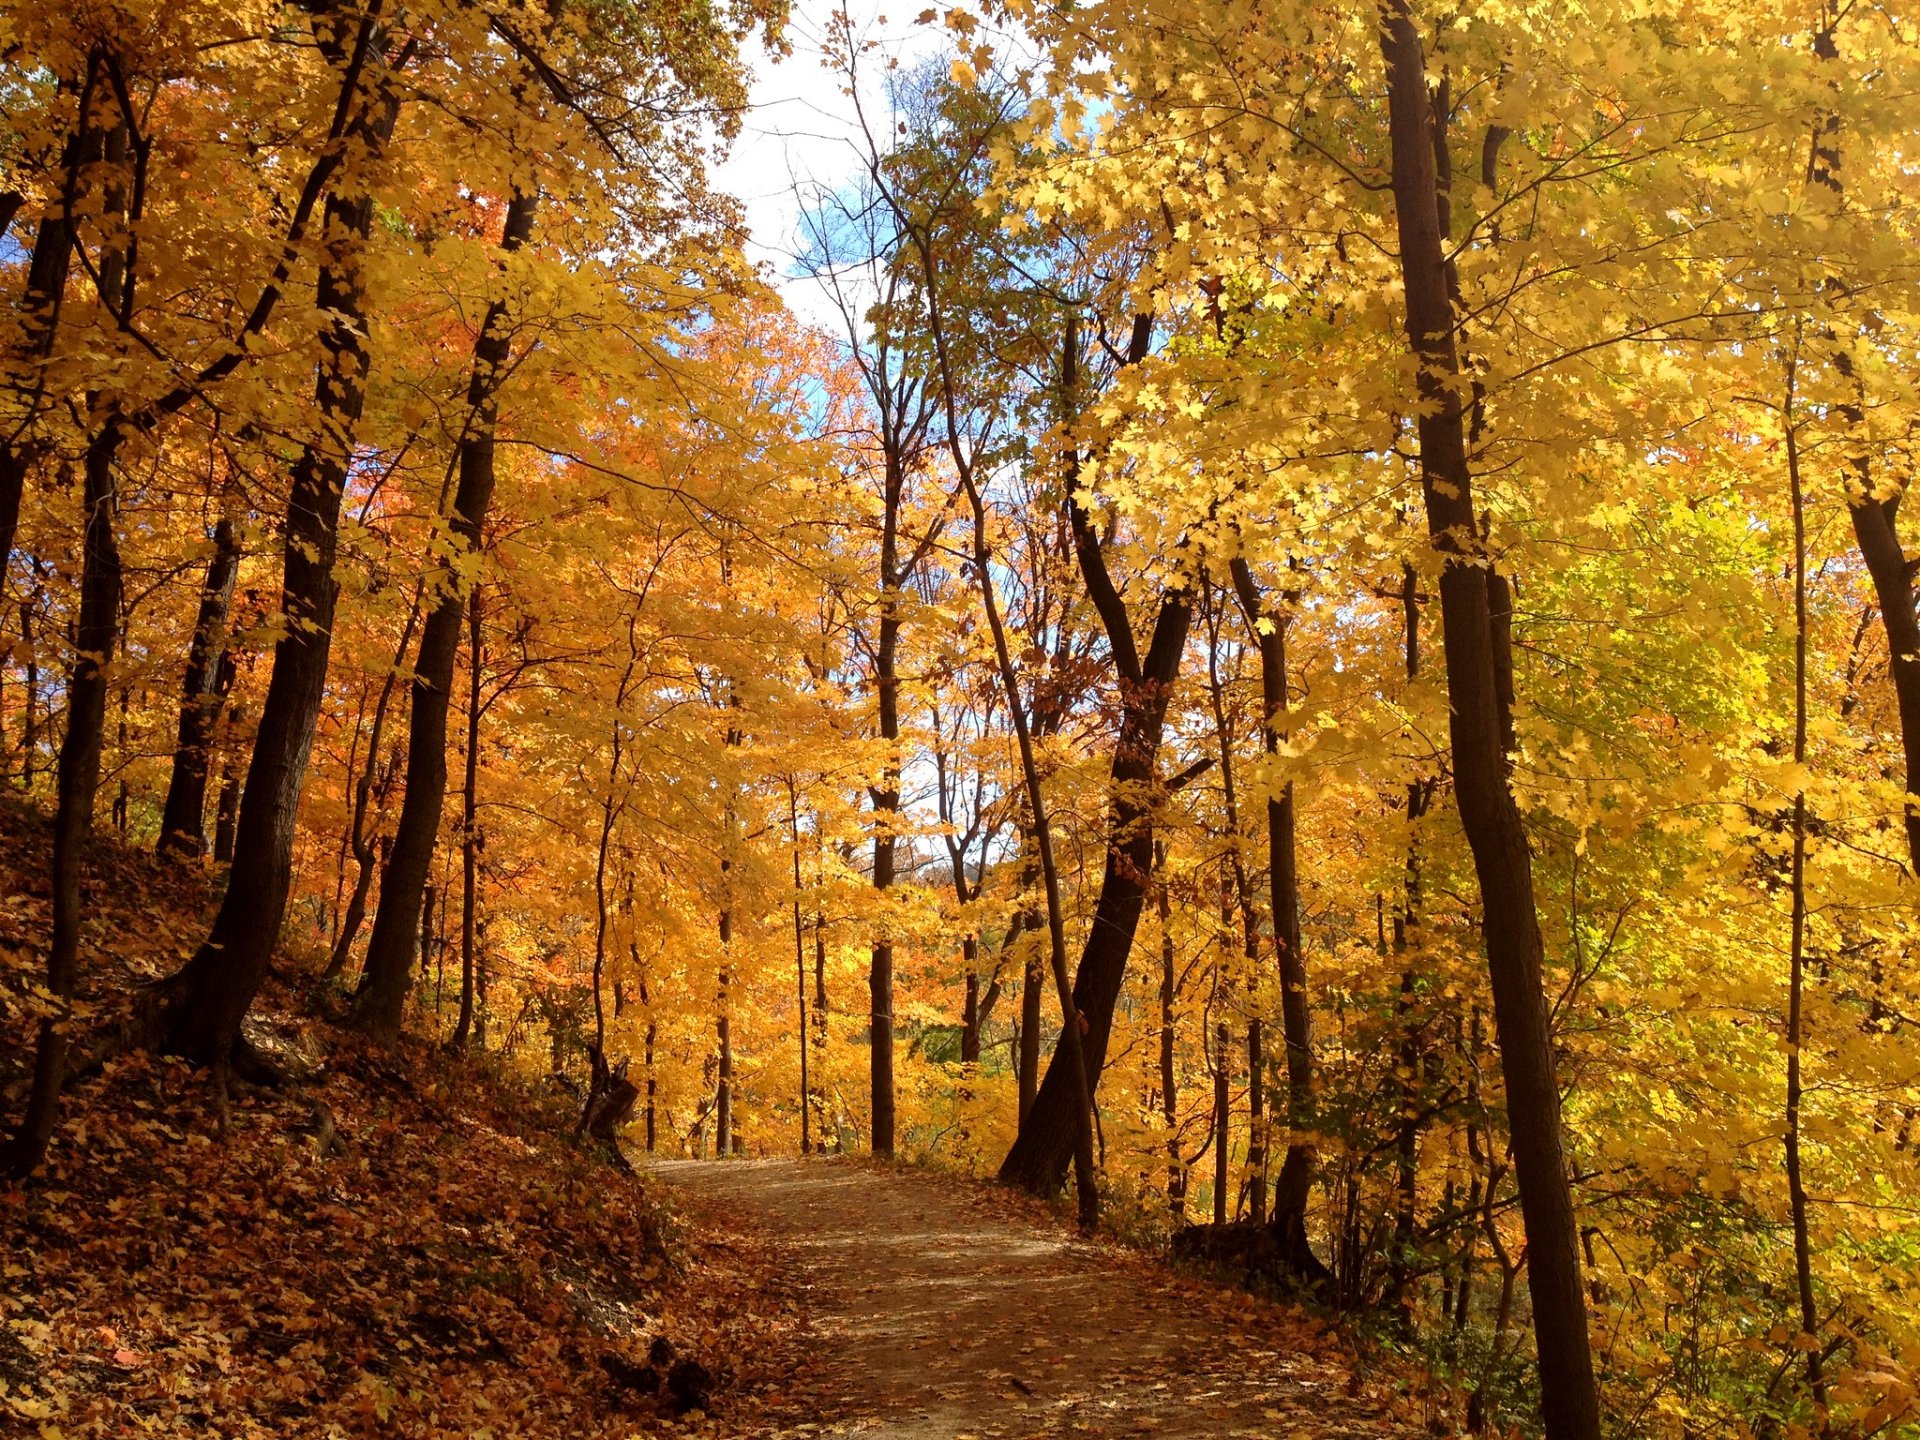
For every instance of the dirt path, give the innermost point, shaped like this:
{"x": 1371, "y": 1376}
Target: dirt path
{"x": 935, "y": 1311}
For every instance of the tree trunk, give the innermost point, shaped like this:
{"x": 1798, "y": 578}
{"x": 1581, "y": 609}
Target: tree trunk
{"x": 183, "y": 815}
{"x": 96, "y": 635}
{"x": 1797, "y": 952}
{"x": 1874, "y": 514}
{"x": 1169, "y": 1076}
{"x": 203, "y": 1004}
{"x": 886, "y": 810}
{"x": 47, "y": 267}
{"x": 373, "y": 784}
{"x": 1043, "y": 1150}
{"x": 78, "y": 783}
{"x": 382, "y": 996}
{"x": 29, "y": 737}
{"x": 226, "y": 820}
{"x": 1268, "y": 625}
{"x": 469, "y": 835}
{"x": 1249, "y": 926}
{"x": 1496, "y": 832}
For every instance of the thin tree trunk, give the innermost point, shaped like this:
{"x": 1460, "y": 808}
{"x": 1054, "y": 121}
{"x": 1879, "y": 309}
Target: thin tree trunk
{"x": 886, "y": 809}
{"x": 183, "y": 814}
{"x": 1268, "y": 625}
{"x": 1797, "y": 962}
{"x": 1169, "y": 1076}
{"x": 1249, "y": 927}
{"x": 78, "y": 782}
{"x": 469, "y": 834}
{"x": 29, "y": 735}
{"x": 1029, "y": 1076}
{"x": 382, "y": 996}
{"x": 820, "y": 1024}
{"x": 372, "y": 784}
{"x": 1496, "y": 832}
{"x": 800, "y": 977}
{"x": 226, "y": 817}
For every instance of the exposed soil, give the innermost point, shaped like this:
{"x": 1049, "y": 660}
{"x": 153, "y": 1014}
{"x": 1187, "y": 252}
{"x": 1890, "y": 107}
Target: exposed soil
{"x": 935, "y": 1309}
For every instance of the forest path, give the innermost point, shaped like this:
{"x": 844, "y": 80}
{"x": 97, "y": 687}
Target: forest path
{"x": 934, "y": 1310}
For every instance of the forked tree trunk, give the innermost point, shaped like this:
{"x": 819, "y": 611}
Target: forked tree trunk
{"x": 388, "y": 974}
{"x": 1043, "y": 1149}
{"x": 201, "y": 1007}
{"x": 1495, "y": 830}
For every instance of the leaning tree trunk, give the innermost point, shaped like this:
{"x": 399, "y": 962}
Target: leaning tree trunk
{"x": 1874, "y": 508}
{"x": 389, "y": 965}
{"x": 78, "y": 783}
{"x": 183, "y": 817}
{"x": 1043, "y": 1150}
{"x": 96, "y": 634}
{"x": 202, "y": 1005}
{"x": 39, "y": 306}
{"x": 1495, "y": 830}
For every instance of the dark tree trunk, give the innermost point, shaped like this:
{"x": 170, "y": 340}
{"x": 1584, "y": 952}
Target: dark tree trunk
{"x": 1169, "y": 1076}
{"x": 1295, "y": 1181}
{"x": 1874, "y": 509}
{"x": 1043, "y": 1150}
{"x": 886, "y": 809}
{"x": 78, "y": 782}
{"x": 203, "y": 1004}
{"x": 1249, "y": 927}
{"x": 47, "y": 267}
{"x": 226, "y": 821}
{"x": 1030, "y": 997}
{"x": 1496, "y": 832}
{"x": 389, "y": 966}
{"x": 723, "y": 1036}
{"x": 470, "y": 835}
{"x": 386, "y": 978}
{"x": 29, "y": 735}
{"x": 371, "y": 786}
{"x": 96, "y": 636}
{"x": 183, "y": 815}
{"x": 970, "y": 1008}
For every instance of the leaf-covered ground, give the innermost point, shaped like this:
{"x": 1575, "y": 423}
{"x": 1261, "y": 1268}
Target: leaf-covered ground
{"x": 403, "y": 1245}
{"x": 941, "y": 1309}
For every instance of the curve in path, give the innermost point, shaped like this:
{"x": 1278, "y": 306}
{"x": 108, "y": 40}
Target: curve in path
{"x": 935, "y": 1315}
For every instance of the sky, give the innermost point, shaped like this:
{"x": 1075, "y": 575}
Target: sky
{"x": 800, "y": 132}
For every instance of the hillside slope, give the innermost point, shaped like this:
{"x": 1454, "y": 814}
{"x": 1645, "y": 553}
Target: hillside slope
{"x": 401, "y": 1243}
